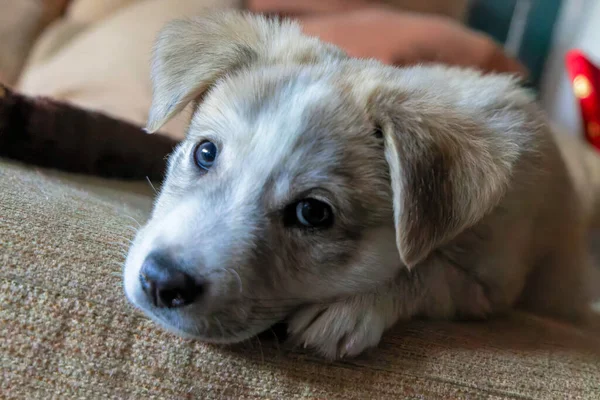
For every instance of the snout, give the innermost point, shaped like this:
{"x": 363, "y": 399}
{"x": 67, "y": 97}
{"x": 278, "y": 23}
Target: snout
{"x": 166, "y": 285}
{"x": 190, "y": 282}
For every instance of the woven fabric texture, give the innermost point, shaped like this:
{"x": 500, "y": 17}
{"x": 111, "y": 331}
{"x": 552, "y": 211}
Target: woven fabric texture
{"x": 67, "y": 331}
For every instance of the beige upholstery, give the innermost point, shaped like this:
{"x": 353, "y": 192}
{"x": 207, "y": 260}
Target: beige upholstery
{"x": 98, "y": 56}
{"x": 21, "y": 22}
{"x": 67, "y": 331}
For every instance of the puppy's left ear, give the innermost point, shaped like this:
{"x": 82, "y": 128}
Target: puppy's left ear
{"x": 191, "y": 55}
{"x": 447, "y": 170}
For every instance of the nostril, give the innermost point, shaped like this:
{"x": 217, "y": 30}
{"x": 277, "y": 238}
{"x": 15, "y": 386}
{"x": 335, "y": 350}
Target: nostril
{"x": 178, "y": 291}
{"x": 166, "y": 286}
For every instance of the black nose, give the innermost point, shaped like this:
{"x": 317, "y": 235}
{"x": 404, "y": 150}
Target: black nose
{"x": 165, "y": 285}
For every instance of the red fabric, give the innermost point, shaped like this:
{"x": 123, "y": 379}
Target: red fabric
{"x": 585, "y": 79}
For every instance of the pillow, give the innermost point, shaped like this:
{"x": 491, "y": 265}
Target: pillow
{"x": 106, "y": 67}
{"x": 453, "y": 8}
{"x": 402, "y": 38}
{"x": 371, "y": 29}
{"x": 20, "y": 24}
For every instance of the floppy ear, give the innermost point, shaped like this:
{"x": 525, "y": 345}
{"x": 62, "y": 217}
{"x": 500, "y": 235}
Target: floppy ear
{"x": 447, "y": 170}
{"x": 191, "y": 55}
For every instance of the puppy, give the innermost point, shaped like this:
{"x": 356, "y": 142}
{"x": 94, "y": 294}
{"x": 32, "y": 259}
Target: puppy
{"x": 343, "y": 196}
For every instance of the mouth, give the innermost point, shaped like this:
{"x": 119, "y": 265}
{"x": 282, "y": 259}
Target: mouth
{"x": 217, "y": 319}
{"x": 219, "y": 328}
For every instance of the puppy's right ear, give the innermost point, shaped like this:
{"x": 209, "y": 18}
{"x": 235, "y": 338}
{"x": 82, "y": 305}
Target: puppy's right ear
{"x": 191, "y": 55}
{"x": 447, "y": 168}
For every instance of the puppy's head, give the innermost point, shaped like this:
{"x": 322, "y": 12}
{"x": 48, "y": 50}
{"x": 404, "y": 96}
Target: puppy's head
{"x": 304, "y": 176}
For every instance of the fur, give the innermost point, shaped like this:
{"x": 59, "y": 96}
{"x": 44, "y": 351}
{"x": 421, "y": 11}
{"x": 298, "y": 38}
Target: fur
{"x": 450, "y": 196}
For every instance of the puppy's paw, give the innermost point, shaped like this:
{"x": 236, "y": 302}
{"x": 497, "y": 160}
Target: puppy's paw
{"x": 341, "y": 329}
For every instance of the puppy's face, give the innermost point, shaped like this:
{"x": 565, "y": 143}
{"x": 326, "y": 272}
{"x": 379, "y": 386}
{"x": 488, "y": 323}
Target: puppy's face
{"x": 304, "y": 177}
{"x": 279, "y": 196}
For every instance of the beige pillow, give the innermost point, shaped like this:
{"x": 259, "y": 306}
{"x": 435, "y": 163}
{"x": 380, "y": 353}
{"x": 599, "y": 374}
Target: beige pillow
{"x": 90, "y": 11}
{"x": 105, "y": 64}
{"x": 21, "y": 21}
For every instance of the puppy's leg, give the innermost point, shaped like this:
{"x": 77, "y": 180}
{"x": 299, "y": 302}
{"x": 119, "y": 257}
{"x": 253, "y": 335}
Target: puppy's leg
{"x": 348, "y": 327}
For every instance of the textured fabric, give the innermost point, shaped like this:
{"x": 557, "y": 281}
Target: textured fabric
{"x": 67, "y": 331}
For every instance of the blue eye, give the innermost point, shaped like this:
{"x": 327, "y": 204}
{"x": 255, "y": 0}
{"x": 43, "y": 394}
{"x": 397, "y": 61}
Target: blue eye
{"x": 313, "y": 213}
{"x": 205, "y": 154}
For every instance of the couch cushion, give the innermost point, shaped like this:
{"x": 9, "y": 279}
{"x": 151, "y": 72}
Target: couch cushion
{"x": 20, "y": 24}
{"x": 105, "y": 65}
{"x": 67, "y": 331}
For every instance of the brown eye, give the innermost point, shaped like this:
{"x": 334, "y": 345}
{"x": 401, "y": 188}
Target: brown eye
{"x": 205, "y": 154}
{"x": 313, "y": 213}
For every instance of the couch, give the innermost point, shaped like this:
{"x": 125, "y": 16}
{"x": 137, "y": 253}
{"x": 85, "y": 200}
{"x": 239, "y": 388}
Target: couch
{"x": 67, "y": 331}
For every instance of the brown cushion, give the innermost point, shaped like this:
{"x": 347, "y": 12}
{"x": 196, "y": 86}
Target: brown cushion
{"x": 67, "y": 331}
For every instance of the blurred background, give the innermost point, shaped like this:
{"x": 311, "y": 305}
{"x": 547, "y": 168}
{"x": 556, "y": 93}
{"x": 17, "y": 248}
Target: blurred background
{"x": 540, "y": 33}
{"x": 95, "y": 53}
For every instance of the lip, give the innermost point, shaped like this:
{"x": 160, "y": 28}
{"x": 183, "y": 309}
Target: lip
{"x": 194, "y": 334}
{"x": 165, "y": 323}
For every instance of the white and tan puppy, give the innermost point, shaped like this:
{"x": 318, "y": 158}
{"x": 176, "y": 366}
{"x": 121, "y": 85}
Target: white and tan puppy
{"x": 342, "y": 195}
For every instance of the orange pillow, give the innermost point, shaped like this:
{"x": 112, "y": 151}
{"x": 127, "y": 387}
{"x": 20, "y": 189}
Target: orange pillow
{"x": 392, "y": 36}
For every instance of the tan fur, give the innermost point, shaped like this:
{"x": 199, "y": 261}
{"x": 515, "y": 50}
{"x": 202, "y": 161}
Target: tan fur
{"x": 450, "y": 195}
{"x": 177, "y": 82}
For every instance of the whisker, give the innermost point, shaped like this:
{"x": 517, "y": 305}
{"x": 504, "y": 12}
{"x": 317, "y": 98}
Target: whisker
{"x": 234, "y": 273}
{"x": 247, "y": 344}
{"x": 124, "y": 239}
{"x": 272, "y": 320}
{"x": 120, "y": 253}
{"x": 218, "y": 323}
{"x": 132, "y": 228}
{"x": 124, "y": 235}
{"x": 276, "y": 341}
{"x": 151, "y": 185}
{"x": 205, "y": 323}
{"x": 269, "y": 300}
{"x": 134, "y": 220}
{"x": 119, "y": 263}
{"x": 262, "y": 354}
{"x": 123, "y": 245}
